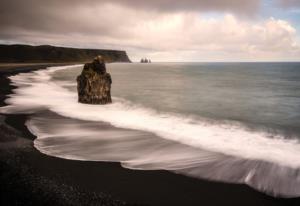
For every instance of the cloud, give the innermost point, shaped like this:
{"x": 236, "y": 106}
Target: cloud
{"x": 236, "y": 6}
{"x": 164, "y": 36}
{"x": 78, "y": 15}
{"x": 227, "y": 38}
{"x": 289, "y": 3}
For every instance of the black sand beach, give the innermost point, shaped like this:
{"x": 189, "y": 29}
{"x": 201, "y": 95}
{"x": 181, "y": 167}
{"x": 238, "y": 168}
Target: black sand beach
{"x": 28, "y": 177}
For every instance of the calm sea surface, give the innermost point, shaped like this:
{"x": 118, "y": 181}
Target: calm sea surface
{"x": 261, "y": 94}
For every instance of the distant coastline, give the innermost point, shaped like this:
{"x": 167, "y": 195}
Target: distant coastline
{"x": 20, "y": 53}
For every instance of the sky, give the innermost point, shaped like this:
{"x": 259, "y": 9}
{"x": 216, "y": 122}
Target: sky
{"x": 162, "y": 30}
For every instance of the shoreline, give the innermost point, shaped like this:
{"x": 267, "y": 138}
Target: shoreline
{"x": 75, "y": 182}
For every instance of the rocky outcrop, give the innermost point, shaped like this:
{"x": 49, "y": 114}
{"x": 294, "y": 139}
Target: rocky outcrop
{"x": 94, "y": 83}
{"x": 145, "y": 60}
{"x": 51, "y": 54}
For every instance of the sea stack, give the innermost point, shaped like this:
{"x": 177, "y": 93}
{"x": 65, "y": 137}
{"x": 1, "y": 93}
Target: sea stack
{"x": 145, "y": 60}
{"x": 94, "y": 83}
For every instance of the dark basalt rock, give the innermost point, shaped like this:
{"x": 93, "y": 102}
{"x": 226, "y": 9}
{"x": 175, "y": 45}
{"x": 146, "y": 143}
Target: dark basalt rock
{"x": 46, "y": 53}
{"x": 94, "y": 83}
{"x": 145, "y": 60}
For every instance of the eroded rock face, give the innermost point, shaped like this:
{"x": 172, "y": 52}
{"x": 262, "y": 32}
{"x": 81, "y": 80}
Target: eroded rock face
{"x": 94, "y": 83}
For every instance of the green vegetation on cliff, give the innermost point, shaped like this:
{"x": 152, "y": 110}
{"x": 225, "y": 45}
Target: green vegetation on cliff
{"x": 18, "y": 53}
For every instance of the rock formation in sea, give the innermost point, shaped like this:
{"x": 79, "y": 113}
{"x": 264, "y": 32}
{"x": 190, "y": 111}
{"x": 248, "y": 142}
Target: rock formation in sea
{"x": 145, "y": 60}
{"x": 94, "y": 83}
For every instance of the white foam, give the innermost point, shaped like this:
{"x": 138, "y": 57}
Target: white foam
{"x": 37, "y": 90}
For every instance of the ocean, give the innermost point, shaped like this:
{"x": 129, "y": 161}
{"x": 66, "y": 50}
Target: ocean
{"x": 228, "y": 122}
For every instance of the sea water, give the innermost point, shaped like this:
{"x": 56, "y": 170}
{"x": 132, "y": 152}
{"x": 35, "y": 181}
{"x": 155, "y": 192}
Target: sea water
{"x": 230, "y": 122}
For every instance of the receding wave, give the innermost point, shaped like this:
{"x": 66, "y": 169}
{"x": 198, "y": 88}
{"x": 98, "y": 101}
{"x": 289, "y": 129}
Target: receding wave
{"x": 143, "y": 138}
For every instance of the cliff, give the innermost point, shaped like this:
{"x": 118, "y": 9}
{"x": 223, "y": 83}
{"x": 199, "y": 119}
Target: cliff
{"x": 36, "y": 54}
{"x": 94, "y": 83}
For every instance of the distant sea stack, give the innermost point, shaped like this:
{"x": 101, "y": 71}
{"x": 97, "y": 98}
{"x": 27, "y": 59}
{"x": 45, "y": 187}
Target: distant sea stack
{"x": 145, "y": 60}
{"x": 19, "y": 53}
{"x": 94, "y": 83}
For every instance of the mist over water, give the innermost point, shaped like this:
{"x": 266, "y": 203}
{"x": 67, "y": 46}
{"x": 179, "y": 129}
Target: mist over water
{"x": 232, "y": 122}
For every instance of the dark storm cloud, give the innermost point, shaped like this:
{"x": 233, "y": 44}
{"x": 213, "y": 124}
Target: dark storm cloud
{"x": 239, "y": 6}
{"x": 60, "y": 14}
{"x": 50, "y": 16}
{"x": 20, "y": 18}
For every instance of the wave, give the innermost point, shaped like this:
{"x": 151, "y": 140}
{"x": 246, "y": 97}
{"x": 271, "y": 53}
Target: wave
{"x": 193, "y": 146}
